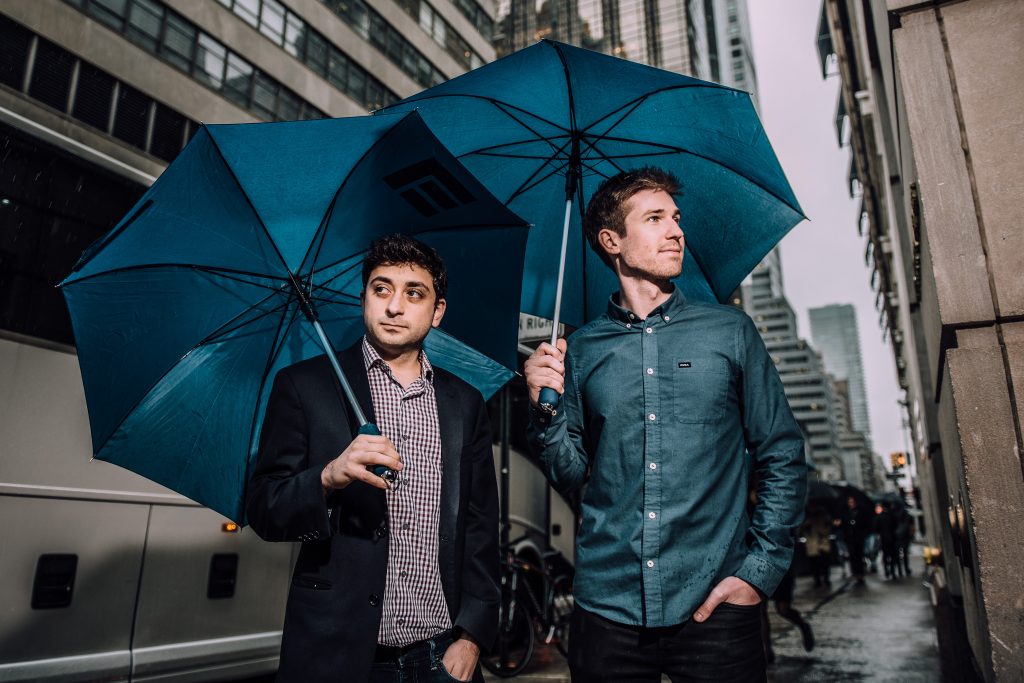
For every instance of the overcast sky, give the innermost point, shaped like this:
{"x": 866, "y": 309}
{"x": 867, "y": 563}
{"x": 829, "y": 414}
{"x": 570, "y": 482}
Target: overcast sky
{"x": 823, "y": 258}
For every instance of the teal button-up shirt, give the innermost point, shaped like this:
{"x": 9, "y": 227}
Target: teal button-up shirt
{"x": 663, "y": 419}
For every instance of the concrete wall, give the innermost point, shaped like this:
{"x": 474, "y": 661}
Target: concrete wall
{"x": 960, "y": 66}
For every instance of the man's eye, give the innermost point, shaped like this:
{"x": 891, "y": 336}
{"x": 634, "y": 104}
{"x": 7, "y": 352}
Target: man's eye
{"x": 415, "y": 294}
{"x": 380, "y": 289}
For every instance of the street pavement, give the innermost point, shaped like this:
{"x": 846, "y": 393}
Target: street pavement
{"x": 879, "y": 632}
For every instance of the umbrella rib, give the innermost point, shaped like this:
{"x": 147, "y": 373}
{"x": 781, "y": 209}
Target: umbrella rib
{"x": 496, "y": 102}
{"x": 344, "y": 271}
{"x": 135, "y": 405}
{"x": 528, "y": 185}
{"x": 271, "y": 359}
{"x": 241, "y": 188}
{"x": 101, "y": 243}
{"x": 670, "y": 149}
{"x": 515, "y": 143}
{"x": 219, "y": 271}
{"x": 321, "y": 232}
{"x": 646, "y": 95}
{"x": 229, "y": 326}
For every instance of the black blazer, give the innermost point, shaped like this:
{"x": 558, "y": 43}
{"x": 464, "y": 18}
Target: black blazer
{"x": 334, "y": 607}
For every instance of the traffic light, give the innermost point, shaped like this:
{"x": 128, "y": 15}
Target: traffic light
{"x": 898, "y": 459}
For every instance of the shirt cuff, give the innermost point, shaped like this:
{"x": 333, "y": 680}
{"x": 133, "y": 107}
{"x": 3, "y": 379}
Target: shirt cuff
{"x": 760, "y": 574}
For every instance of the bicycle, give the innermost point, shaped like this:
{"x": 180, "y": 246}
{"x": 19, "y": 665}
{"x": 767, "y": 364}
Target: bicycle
{"x": 522, "y": 615}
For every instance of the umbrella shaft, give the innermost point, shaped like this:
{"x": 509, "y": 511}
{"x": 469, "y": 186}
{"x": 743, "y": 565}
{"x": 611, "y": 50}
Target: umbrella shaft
{"x": 561, "y": 271}
{"x": 332, "y": 357}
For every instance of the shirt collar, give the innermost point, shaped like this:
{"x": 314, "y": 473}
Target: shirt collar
{"x": 670, "y": 308}
{"x": 372, "y": 359}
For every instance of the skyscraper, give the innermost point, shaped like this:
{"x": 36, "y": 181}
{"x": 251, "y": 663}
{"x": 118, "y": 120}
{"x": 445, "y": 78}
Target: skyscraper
{"x": 834, "y": 333}
{"x": 808, "y": 388}
{"x": 669, "y": 34}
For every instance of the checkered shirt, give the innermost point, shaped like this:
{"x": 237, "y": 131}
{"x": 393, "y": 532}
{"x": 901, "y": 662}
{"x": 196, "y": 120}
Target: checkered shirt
{"x": 414, "y": 606}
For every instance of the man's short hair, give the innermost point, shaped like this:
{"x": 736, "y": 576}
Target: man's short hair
{"x": 607, "y": 207}
{"x": 397, "y": 250}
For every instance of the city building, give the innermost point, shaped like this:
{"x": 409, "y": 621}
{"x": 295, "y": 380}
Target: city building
{"x": 808, "y": 387}
{"x": 834, "y": 333}
{"x": 709, "y": 39}
{"x": 934, "y": 117}
{"x": 96, "y": 98}
{"x": 729, "y": 47}
{"x": 110, "y": 576}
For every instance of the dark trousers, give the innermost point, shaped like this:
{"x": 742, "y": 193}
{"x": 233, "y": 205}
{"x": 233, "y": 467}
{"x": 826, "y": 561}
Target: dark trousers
{"x": 727, "y": 648}
{"x": 416, "y": 663}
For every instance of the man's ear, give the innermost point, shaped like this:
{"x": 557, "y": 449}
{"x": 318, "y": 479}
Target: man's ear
{"x": 609, "y": 241}
{"x": 439, "y": 308}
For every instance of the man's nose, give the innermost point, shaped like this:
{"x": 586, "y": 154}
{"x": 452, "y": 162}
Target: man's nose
{"x": 395, "y": 305}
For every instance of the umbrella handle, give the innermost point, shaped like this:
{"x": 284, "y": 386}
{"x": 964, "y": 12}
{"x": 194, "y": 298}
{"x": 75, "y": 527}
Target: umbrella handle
{"x": 548, "y": 401}
{"x": 385, "y": 473}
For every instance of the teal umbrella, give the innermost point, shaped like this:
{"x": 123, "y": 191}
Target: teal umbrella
{"x": 542, "y": 127}
{"x": 244, "y": 257}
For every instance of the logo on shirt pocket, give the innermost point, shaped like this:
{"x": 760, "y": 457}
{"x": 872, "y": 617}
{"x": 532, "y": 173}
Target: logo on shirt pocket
{"x": 700, "y": 389}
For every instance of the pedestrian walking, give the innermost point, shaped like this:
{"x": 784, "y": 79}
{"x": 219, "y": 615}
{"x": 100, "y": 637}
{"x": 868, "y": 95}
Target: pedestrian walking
{"x": 856, "y": 525}
{"x": 903, "y": 534}
{"x": 667, "y": 406}
{"x": 393, "y": 582}
{"x": 817, "y": 531}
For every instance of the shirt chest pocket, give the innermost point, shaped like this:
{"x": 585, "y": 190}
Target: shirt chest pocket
{"x": 700, "y": 389}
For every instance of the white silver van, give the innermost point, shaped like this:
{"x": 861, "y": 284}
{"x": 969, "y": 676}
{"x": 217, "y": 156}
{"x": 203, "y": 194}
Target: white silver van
{"x": 105, "y": 575}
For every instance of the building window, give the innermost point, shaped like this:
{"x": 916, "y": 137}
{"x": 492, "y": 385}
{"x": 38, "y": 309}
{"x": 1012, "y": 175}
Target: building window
{"x": 275, "y": 22}
{"x": 179, "y": 43}
{"x": 211, "y": 57}
{"x": 162, "y": 31}
{"x": 238, "y": 80}
{"x": 144, "y": 23}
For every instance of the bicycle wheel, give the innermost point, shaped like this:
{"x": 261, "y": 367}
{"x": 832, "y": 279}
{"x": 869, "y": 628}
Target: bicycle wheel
{"x": 561, "y": 596}
{"x": 514, "y": 645}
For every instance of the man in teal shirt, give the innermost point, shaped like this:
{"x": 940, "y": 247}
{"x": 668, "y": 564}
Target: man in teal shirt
{"x": 667, "y": 407}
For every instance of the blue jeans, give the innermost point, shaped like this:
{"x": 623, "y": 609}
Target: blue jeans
{"x": 727, "y": 648}
{"x": 416, "y": 663}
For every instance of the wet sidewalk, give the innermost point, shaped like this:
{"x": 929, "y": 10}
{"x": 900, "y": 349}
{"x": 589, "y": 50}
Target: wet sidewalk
{"x": 879, "y": 632}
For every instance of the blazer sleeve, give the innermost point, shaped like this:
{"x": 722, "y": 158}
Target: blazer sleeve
{"x": 285, "y": 500}
{"x": 478, "y": 608}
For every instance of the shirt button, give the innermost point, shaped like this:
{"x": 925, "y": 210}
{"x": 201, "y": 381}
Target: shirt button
{"x": 666, "y": 318}
{"x": 628, "y": 325}
{"x": 405, "y": 527}
{"x": 649, "y": 330}
{"x": 650, "y": 371}
{"x": 654, "y": 465}
{"x": 400, "y": 621}
{"x": 650, "y": 563}
{"x": 403, "y": 573}
{"x": 651, "y": 417}
{"x": 651, "y": 515}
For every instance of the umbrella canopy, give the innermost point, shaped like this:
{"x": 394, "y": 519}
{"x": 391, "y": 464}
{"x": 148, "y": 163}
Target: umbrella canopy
{"x": 185, "y": 311}
{"x": 548, "y": 123}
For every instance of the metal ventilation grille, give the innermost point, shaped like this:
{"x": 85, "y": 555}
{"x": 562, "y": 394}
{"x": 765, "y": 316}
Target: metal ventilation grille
{"x": 51, "y": 75}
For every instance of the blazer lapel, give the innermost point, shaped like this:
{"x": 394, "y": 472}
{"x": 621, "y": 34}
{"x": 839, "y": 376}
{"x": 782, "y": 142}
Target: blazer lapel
{"x": 450, "y": 424}
{"x": 354, "y": 367}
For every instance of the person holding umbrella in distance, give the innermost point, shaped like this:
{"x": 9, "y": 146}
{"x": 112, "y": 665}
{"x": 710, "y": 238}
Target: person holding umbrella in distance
{"x": 393, "y": 579}
{"x": 667, "y": 405}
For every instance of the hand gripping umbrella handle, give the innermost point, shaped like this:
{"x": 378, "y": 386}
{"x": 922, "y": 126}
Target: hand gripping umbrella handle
{"x": 365, "y": 427}
{"x": 385, "y": 473}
